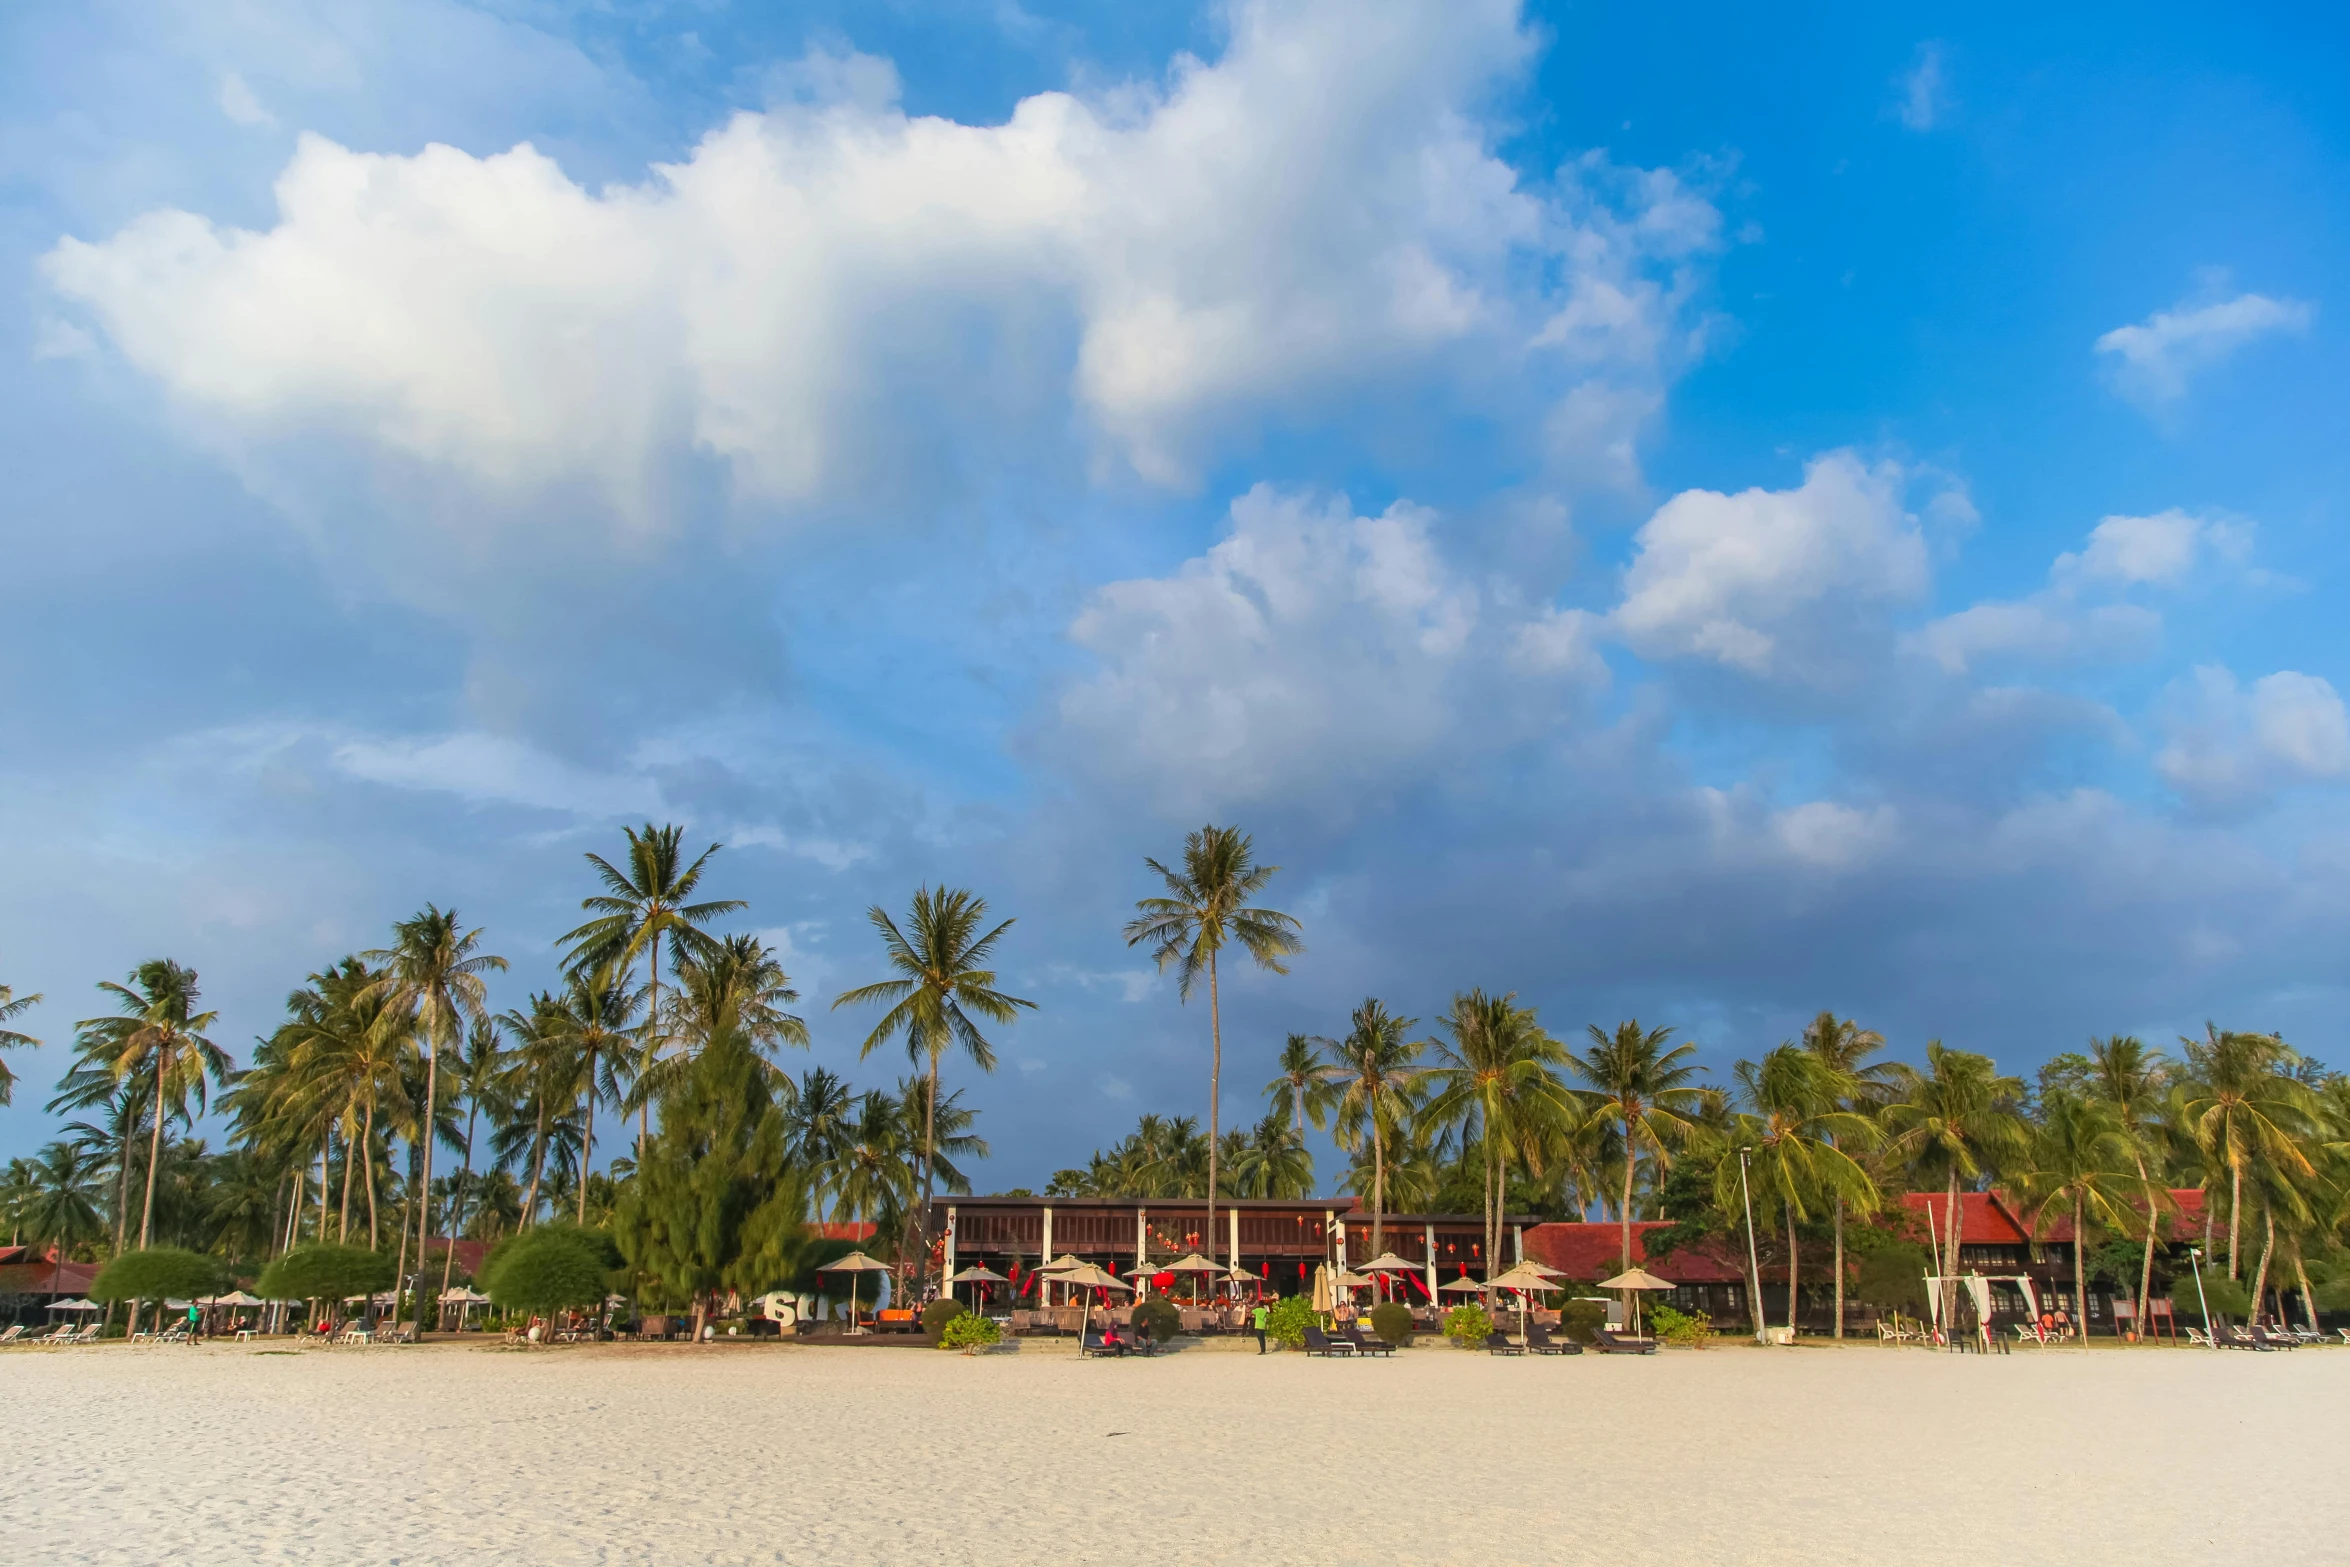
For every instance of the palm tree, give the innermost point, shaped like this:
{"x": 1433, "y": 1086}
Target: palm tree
{"x": 58, "y": 1202}
{"x": 1272, "y": 1161}
{"x": 541, "y": 1084}
{"x": 158, "y": 1035}
{"x": 433, "y": 982}
{"x": 1208, "y": 903}
{"x": 1842, "y": 1045}
{"x": 481, "y": 1077}
{"x": 940, "y": 958}
{"x": 1647, "y": 1090}
{"x": 11, "y": 1005}
{"x": 1802, "y": 1138}
{"x": 2077, "y": 1160}
{"x": 2128, "y": 1078}
{"x": 638, "y": 910}
{"x": 593, "y": 1021}
{"x": 1957, "y": 1119}
{"x": 1374, "y": 1072}
{"x": 870, "y": 1175}
{"x": 2243, "y": 1109}
{"x": 1302, "y": 1090}
{"x": 820, "y": 1107}
{"x": 347, "y": 1060}
{"x": 1496, "y": 1078}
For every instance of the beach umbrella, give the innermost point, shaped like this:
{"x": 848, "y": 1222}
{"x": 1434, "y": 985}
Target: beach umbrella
{"x": 977, "y": 1273}
{"x": 235, "y": 1298}
{"x": 1195, "y": 1263}
{"x": 1462, "y": 1287}
{"x": 1047, "y": 1273}
{"x": 1086, "y": 1276}
{"x": 1523, "y": 1278}
{"x": 854, "y": 1263}
{"x": 76, "y": 1304}
{"x": 1636, "y": 1279}
{"x": 1389, "y": 1262}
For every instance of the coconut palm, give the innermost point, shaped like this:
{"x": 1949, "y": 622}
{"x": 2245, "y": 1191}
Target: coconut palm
{"x": 870, "y": 1177}
{"x": 2129, "y": 1080}
{"x": 736, "y": 982}
{"x": 544, "y": 1073}
{"x": 1803, "y": 1136}
{"x": 819, "y": 1109}
{"x": 1210, "y": 902}
{"x": 1496, "y": 1078}
{"x": 1374, "y": 1070}
{"x": 649, "y": 904}
{"x": 1648, "y": 1090}
{"x": 433, "y": 983}
{"x": 159, "y": 1035}
{"x": 57, "y": 1203}
{"x": 1272, "y": 1161}
{"x": 120, "y": 1105}
{"x": 942, "y": 980}
{"x": 592, "y": 1019}
{"x": 1302, "y": 1090}
{"x": 1957, "y": 1120}
{"x": 1842, "y": 1045}
{"x": 2077, "y": 1162}
{"x": 11, "y": 1006}
{"x": 347, "y": 1058}
{"x": 2244, "y": 1110}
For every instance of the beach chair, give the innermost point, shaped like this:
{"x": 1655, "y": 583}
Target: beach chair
{"x": 1538, "y": 1340}
{"x": 1321, "y": 1343}
{"x": 2345, "y": 1332}
{"x": 2269, "y": 1338}
{"x": 1373, "y": 1345}
{"x": 89, "y": 1335}
{"x": 1094, "y": 1345}
{"x": 61, "y": 1334}
{"x": 2199, "y": 1339}
{"x": 1609, "y": 1342}
{"x": 14, "y": 1331}
{"x": 1498, "y": 1343}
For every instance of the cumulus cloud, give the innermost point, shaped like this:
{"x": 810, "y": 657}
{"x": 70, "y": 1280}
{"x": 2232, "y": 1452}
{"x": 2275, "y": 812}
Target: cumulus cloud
{"x": 1317, "y": 211}
{"x": 1925, "y": 95}
{"x": 2232, "y": 748}
{"x": 2151, "y": 362}
{"x": 1774, "y": 583}
{"x": 1311, "y": 649}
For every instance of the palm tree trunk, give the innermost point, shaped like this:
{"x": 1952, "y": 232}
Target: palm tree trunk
{"x": 2308, "y": 1295}
{"x": 1215, "y": 1078}
{"x": 1378, "y": 1191}
{"x": 1792, "y": 1296}
{"x": 2145, "y": 1263}
{"x": 154, "y": 1158}
{"x": 930, "y": 1161}
{"x": 644, "y": 1106}
{"x": 1955, "y": 1221}
{"x": 538, "y": 1166}
{"x": 2081, "y": 1267}
{"x": 122, "y": 1185}
{"x": 2235, "y": 1210}
{"x": 457, "y": 1208}
{"x": 587, "y": 1147}
{"x": 1838, "y": 1331}
{"x": 367, "y": 1160}
{"x": 432, "y": 1084}
{"x": 343, "y": 1208}
{"x": 2268, "y": 1244}
{"x": 1624, "y": 1210}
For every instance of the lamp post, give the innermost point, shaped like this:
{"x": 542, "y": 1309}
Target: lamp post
{"x": 2195, "y": 1253}
{"x": 1753, "y": 1263}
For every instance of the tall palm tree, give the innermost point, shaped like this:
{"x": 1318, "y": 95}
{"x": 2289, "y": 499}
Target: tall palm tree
{"x": 1272, "y": 1161}
{"x": 1957, "y": 1120}
{"x": 158, "y": 1034}
{"x": 2243, "y": 1110}
{"x": 593, "y": 1021}
{"x": 1842, "y": 1045}
{"x": 820, "y": 1107}
{"x": 542, "y": 1083}
{"x": 1375, "y": 1068}
{"x": 1302, "y": 1090}
{"x": 11, "y": 1006}
{"x": 870, "y": 1177}
{"x": 1496, "y": 1078}
{"x": 942, "y": 979}
{"x": 433, "y": 982}
{"x": 1803, "y": 1138}
{"x": 639, "y": 909}
{"x": 481, "y": 1075}
{"x": 2129, "y": 1079}
{"x": 1647, "y": 1090}
{"x": 2077, "y": 1161}
{"x": 58, "y": 1205}
{"x": 1209, "y": 902}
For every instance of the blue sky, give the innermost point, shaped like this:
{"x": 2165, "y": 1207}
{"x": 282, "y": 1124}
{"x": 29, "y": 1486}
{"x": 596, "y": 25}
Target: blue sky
{"x": 1702, "y": 517}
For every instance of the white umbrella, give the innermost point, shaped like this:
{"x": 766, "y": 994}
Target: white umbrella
{"x": 977, "y": 1274}
{"x": 76, "y": 1304}
{"x": 854, "y": 1263}
{"x": 1463, "y": 1287}
{"x": 1086, "y": 1276}
{"x": 233, "y": 1298}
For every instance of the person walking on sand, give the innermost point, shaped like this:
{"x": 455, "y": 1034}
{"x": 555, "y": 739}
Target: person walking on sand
{"x": 1257, "y": 1321}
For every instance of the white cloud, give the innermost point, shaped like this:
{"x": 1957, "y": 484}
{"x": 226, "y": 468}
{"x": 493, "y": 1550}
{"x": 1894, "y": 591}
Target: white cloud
{"x": 1925, "y": 96}
{"x": 1772, "y": 582}
{"x": 2153, "y": 360}
{"x": 2161, "y": 550}
{"x": 1830, "y": 836}
{"x": 492, "y": 769}
{"x": 2231, "y": 748}
{"x": 1317, "y": 212}
{"x": 239, "y": 104}
{"x": 1310, "y": 648}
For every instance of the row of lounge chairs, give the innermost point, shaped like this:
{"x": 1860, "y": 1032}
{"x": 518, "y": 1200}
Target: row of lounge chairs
{"x": 2258, "y": 1337}
{"x": 1349, "y": 1342}
{"x": 63, "y": 1333}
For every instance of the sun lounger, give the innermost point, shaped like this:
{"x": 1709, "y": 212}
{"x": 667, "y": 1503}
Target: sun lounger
{"x": 2268, "y": 1338}
{"x": 1539, "y": 1340}
{"x": 14, "y": 1332}
{"x": 1099, "y": 1346}
{"x": 61, "y": 1334}
{"x": 1373, "y": 1345}
{"x": 1321, "y": 1343}
{"x": 1609, "y": 1342}
{"x": 89, "y": 1335}
{"x": 1498, "y": 1343}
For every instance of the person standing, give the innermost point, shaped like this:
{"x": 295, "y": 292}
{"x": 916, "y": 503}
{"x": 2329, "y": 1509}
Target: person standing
{"x": 1257, "y": 1320}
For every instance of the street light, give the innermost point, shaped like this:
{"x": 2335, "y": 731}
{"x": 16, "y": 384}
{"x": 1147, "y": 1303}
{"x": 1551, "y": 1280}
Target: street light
{"x": 2196, "y": 1254}
{"x": 1753, "y": 1264}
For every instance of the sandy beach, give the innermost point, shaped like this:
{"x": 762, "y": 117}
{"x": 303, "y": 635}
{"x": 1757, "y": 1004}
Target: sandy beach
{"x": 738, "y": 1454}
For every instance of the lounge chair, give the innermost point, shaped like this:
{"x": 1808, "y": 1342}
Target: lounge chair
{"x": 1609, "y": 1342}
{"x": 1538, "y": 1340}
{"x": 1498, "y": 1343}
{"x": 1101, "y": 1346}
{"x": 89, "y": 1335}
{"x": 14, "y": 1332}
{"x": 1373, "y": 1345}
{"x": 61, "y": 1334}
{"x": 1321, "y": 1343}
{"x": 2270, "y": 1338}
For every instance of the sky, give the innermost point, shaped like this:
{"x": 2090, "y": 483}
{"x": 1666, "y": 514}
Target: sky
{"x": 1701, "y": 515}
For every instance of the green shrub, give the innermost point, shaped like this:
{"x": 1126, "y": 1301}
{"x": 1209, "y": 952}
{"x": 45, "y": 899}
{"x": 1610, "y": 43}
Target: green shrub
{"x": 2228, "y": 1298}
{"x": 1392, "y": 1321}
{"x": 968, "y": 1333}
{"x": 1157, "y": 1313}
{"x": 326, "y": 1273}
{"x": 158, "y": 1273}
{"x": 547, "y": 1268}
{"x": 1287, "y": 1319}
{"x": 1692, "y": 1330}
{"x": 1581, "y": 1320}
{"x": 938, "y": 1315}
{"x": 1467, "y": 1326}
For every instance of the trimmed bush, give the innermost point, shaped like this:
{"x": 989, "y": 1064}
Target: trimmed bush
{"x": 1581, "y": 1320}
{"x": 1287, "y": 1319}
{"x": 1155, "y": 1312}
{"x": 547, "y": 1268}
{"x": 326, "y": 1272}
{"x": 938, "y": 1315}
{"x": 158, "y": 1273}
{"x": 1690, "y": 1330}
{"x": 969, "y": 1333}
{"x": 1467, "y": 1326}
{"x": 1392, "y": 1322}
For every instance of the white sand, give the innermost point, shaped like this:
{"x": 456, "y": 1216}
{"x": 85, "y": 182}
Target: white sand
{"x": 736, "y": 1454}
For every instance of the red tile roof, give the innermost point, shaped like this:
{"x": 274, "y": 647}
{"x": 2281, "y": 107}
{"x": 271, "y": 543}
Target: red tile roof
{"x": 26, "y": 1272}
{"x": 1591, "y": 1252}
{"x": 2184, "y": 1220}
{"x": 1984, "y": 1219}
{"x": 845, "y": 1232}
